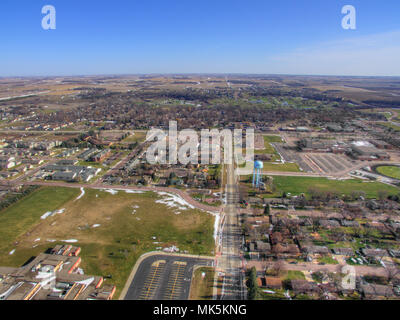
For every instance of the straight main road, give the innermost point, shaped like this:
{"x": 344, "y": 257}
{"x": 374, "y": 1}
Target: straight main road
{"x": 230, "y": 261}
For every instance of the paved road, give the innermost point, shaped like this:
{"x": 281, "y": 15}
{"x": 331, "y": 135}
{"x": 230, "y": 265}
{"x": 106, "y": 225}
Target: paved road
{"x": 230, "y": 262}
{"x": 164, "y": 277}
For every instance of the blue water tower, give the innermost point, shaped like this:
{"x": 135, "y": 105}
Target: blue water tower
{"x": 257, "y": 173}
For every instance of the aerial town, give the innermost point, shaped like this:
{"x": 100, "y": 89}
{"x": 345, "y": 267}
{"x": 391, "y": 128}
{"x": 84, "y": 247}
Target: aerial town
{"x": 317, "y": 216}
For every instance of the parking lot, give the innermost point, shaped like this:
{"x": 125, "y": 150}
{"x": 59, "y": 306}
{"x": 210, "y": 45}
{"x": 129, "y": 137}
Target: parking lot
{"x": 290, "y": 155}
{"x": 164, "y": 277}
{"x": 328, "y": 163}
{"x": 152, "y": 281}
{"x": 176, "y": 281}
{"x": 320, "y": 163}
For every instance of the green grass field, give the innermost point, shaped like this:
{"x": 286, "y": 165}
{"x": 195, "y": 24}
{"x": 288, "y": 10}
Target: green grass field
{"x": 202, "y": 288}
{"x": 25, "y": 214}
{"x": 138, "y": 137}
{"x": 272, "y": 138}
{"x": 299, "y": 185}
{"x": 294, "y": 275}
{"x": 327, "y": 260}
{"x": 390, "y": 126}
{"x": 128, "y": 223}
{"x": 284, "y": 167}
{"x": 268, "y": 148}
{"x": 389, "y": 171}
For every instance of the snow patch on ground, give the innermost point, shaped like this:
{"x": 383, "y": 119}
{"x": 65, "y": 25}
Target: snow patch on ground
{"x": 134, "y": 191}
{"x": 134, "y": 208}
{"x": 81, "y": 195}
{"x": 112, "y": 191}
{"x": 174, "y": 201}
{"x": 216, "y": 224}
{"x": 52, "y": 213}
{"x": 171, "y": 249}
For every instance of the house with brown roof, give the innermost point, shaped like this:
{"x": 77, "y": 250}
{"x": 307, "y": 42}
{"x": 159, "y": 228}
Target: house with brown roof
{"x": 270, "y": 282}
{"x": 286, "y": 249}
{"x": 273, "y": 282}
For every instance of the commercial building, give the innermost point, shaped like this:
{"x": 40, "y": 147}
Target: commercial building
{"x": 54, "y": 276}
{"x": 363, "y": 150}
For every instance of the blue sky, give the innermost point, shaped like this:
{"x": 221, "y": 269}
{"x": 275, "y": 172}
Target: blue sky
{"x": 188, "y": 36}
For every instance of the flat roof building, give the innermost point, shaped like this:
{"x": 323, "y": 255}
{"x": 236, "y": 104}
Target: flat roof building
{"x": 54, "y": 276}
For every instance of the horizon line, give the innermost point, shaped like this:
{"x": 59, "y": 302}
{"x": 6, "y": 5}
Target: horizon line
{"x": 196, "y": 73}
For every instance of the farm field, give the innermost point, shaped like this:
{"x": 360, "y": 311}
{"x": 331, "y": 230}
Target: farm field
{"x": 113, "y": 228}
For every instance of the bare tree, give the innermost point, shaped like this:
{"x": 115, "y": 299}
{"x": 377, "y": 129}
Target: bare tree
{"x": 278, "y": 267}
{"x": 392, "y": 272}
